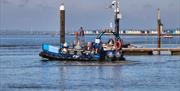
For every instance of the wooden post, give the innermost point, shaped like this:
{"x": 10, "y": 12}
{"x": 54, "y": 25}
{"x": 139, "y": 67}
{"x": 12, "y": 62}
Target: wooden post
{"x": 62, "y": 24}
{"x": 159, "y": 25}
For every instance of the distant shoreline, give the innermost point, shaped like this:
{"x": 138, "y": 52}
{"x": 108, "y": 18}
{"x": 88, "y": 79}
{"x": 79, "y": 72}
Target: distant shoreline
{"x": 131, "y": 34}
{"x": 97, "y": 34}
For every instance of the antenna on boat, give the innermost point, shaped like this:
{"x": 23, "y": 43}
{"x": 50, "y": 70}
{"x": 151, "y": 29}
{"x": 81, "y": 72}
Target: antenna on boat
{"x": 117, "y": 15}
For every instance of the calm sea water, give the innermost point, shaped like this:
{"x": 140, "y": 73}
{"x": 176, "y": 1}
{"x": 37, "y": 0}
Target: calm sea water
{"x": 21, "y": 69}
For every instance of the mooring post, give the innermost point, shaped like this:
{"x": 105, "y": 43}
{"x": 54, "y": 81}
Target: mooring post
{"x": 159, "y": 29}
{"x": 62, "y": 24}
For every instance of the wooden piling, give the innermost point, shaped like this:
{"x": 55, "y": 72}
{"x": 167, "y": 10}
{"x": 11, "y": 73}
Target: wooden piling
{"x": 62, "y": 24}
{"x": 159, "y": 25}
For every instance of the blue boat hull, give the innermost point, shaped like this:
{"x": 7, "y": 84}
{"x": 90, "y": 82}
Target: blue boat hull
{"x": 63, "y": 57}
{"x": 53, "y": 53}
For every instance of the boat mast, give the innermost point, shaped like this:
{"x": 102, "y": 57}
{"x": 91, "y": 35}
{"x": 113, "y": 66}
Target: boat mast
{"x": 117, "y": 16}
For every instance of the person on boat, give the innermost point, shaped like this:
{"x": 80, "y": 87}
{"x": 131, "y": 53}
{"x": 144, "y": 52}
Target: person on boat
{"x": 78, "y": 46}
{"x": 97, "y": 48}
{"x": 93, "y": 48}
{"x": 65, "y": 48}
{"x": 81, "y": 37}
{"x": 81, "y": 31}
{"x": 111, "y": 42}
{"x": 76, "y": 36}
{"x": 102, "y": 55}
{"x": 89, "y": 46}
{"x": 71, "y": 45}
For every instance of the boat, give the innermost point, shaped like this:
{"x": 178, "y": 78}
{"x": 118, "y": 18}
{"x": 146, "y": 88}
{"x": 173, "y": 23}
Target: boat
{"x": 96, "y": 51}
{"x": 91, "y": 51}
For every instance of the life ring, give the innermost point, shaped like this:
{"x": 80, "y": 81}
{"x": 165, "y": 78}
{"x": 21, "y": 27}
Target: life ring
{"x": 118, "y": 45}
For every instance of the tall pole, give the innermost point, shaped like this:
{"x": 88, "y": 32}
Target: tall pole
{"x": 159, "y": 25}
{"x": 117, "y": 16}
{"x": 62, "y": 24}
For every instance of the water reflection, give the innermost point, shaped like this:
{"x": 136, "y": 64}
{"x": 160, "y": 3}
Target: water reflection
{"x": 160, "y": 73}
{"x": 88, "y": 78}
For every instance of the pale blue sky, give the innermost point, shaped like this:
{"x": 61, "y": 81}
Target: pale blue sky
{"x": 91, "y": 14}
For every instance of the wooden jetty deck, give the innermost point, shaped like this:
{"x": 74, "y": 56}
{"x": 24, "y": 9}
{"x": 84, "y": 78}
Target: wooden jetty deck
{"x": 150, "y": 51}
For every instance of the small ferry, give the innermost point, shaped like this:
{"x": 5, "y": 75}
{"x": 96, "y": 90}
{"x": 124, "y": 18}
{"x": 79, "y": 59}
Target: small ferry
{"x": 91, "y": 51}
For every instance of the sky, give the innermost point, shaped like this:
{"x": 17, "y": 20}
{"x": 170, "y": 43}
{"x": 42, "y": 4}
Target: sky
{"x": 43, "y": 15}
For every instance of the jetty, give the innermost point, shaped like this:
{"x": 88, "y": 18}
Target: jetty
{"x": 153, "y": 51}
{"x": 150, "y": 51}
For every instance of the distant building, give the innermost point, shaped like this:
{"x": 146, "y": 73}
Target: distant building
{"x": 133, "y": 31}
{"x": 177, "y": 31}
{"x": 153, "y": 32}
{"x": 146, "y": 31}
{"x": 97, "y": 32}
{"x": 122, "y": 32}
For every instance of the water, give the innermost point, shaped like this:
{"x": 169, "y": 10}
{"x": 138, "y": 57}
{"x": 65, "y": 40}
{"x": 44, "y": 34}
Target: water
{"x": 21, "y": 69}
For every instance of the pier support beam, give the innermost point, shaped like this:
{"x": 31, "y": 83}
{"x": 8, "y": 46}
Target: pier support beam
{"x": 175, "y": 52}
{"x": 62, "y": 24}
